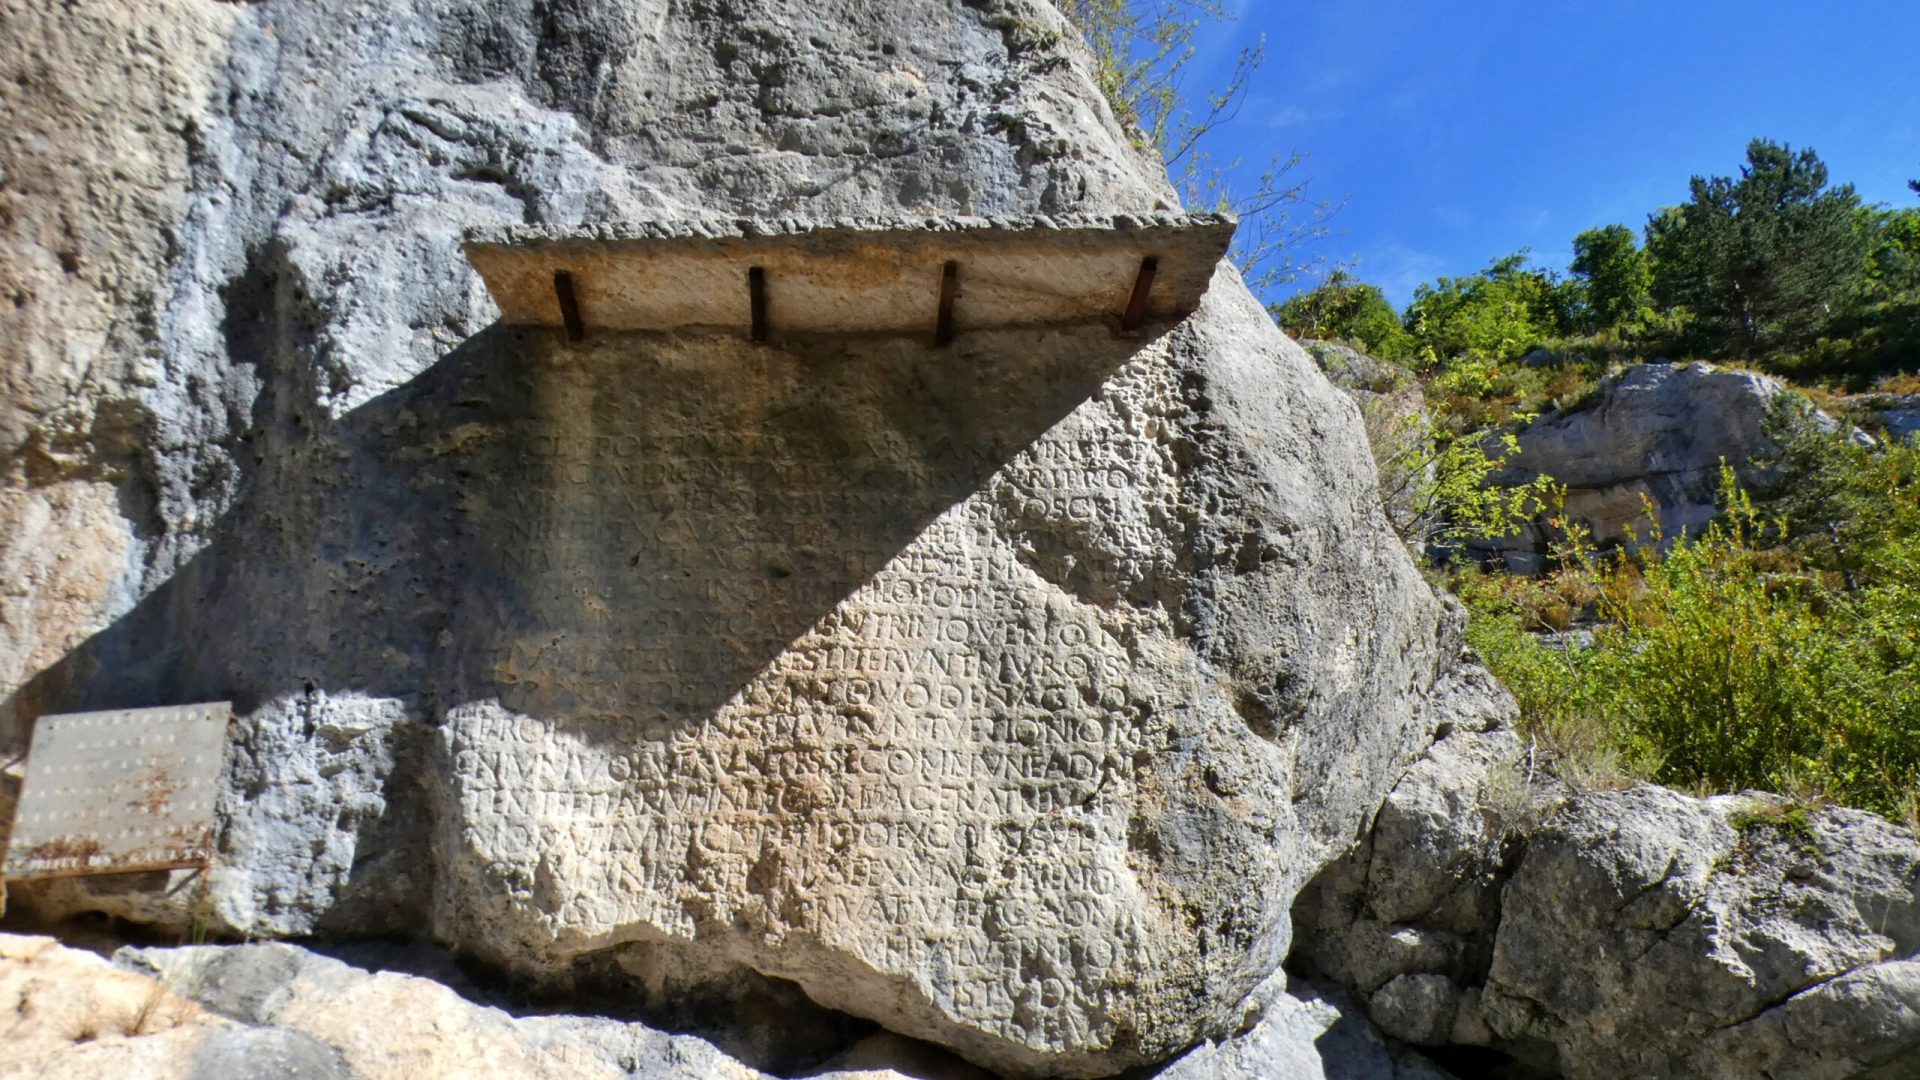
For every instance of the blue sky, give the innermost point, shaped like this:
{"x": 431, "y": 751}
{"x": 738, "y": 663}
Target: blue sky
{"x": 1461, "y": 130}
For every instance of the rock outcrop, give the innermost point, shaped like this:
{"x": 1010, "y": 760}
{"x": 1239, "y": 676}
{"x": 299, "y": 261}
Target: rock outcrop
{"x": 1634, "y": 931}
{"x": 275, "y": 1010}
{"x": 1651, "y": 435}
{"x": 1002, "y": 695}
{"x": 278, "y": 1010}
{"x": 1897, "y": 416}
{"x": 1393, "y": 410}
{"x": 876, "y": 709}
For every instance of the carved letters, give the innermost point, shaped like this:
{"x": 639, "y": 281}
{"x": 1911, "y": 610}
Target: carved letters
{"x": 796, "y": 682}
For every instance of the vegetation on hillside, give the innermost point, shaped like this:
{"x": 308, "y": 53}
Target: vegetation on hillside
{"x": 1775, "y": 268}
{"x": 1737, "y": 659}
{"x": 1781, "y": 648}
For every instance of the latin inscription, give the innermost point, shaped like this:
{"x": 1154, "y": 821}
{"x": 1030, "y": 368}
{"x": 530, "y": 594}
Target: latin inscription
{"x": 780, "y": 685}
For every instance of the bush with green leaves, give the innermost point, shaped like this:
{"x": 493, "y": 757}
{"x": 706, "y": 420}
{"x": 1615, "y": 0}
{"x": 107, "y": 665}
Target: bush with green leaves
{"x": 1723, "y": 661}
{"x": 1343, "y": 309}
{"x": 1493, "y": 316}
{"x": 1893, "y": 250}
{"x": 1615, "y": 275}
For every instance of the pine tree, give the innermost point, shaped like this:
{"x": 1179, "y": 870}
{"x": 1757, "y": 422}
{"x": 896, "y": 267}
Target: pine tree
{"x": 1763, "y": 260}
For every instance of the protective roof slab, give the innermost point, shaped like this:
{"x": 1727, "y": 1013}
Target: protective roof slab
{"x": 118, "y": 791}
{"x": 931, "y": 276}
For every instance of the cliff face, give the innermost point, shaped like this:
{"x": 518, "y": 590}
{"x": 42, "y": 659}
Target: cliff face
{"x": 1004, "y": 695}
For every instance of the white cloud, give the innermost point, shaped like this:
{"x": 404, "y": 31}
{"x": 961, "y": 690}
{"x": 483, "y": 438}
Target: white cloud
{"x": 1286, "y": 116}
{"x": 1398, "y": 269}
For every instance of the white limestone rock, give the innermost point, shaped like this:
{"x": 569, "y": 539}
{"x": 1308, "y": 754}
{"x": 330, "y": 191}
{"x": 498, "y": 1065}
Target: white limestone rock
{"x": 1308, "y": 1033}
{"x": 1003, "y": 695}
{"x": 1669, "y": 936}
{"x": 1393, "y": 410}
{"x": 1652, "y": 434}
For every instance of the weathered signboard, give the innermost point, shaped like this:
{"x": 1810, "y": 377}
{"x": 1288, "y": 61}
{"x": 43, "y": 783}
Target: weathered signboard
{"x": 119, "y": 791}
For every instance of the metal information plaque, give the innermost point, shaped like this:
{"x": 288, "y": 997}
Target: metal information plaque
{"x": 114, "y": 792}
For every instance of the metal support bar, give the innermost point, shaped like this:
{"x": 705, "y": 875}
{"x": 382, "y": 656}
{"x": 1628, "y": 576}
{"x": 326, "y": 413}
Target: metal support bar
{"x": 569, "y": 305}
{"x": 1142, "y": 288}
{"x": 949, "y": 288}
{"x": 757, "y": 291}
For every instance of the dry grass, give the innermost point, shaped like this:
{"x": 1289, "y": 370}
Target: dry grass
{"x": 1899, "y": 385}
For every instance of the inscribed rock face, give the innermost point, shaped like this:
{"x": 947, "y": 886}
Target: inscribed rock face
{"x": 865, "y": 660}
{"x": 1003, "y": 694}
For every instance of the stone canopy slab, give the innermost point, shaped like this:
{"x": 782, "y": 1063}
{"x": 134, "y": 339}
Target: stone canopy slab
{"x": 932, "y": 276}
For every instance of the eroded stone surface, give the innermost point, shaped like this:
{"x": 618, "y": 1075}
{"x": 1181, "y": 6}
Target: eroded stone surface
{"x": 1002, "y": 694}
{"x": 280, "y": 1010}
{"x": 69, "y": 1013}
{"x": 1393, "y": 409}
{"x": 1588, "y": 933}
{"x": 1654, "y": 435}
{"x": 1684, "y": 937}
{"x": 95, "y": 438}
{"x": 899, "y": 679}
{"x": 1308, "y": 1033}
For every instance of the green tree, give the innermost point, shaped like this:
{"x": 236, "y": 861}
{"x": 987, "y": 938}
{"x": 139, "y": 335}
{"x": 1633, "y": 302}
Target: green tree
{"x": 1615, "y": 272}
{"x": 1494, "y": 315}
{"x": 1893, "y": 258}
{"x": 1348, "y": 310}
{"x": 1762, "y": 261}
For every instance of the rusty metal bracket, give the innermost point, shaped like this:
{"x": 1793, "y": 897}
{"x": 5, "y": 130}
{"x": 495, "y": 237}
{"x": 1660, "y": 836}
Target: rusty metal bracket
{"x": 757, "y": 295}
{"x": 1142, "y": 289}
{"x": 949, "y": 288}
{"x": 569, "y": 305}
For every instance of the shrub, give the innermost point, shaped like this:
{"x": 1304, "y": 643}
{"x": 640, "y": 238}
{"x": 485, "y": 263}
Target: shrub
{"x": 1723, "y": 663}
{"x": 1495, "y": 315}
{"x": 1347, "y": 310}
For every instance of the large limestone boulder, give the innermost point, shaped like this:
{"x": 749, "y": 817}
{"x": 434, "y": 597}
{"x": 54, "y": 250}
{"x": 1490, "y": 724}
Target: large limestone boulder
{"x": 280, "y": 1011}
{"x": 1653, "y": 435}
{"x": 1726, "y": 937}
{"x": 1637, "y": 931}
{"x": 1003, "y": 695}
{"x": 71, "y": 1013}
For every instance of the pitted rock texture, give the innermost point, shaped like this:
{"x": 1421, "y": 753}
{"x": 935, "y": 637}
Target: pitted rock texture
{"x": 1637, "y": 932}
{"x": 1393, "y": 409}
{"x": 902, "y": 677}
{"x": 1724, "y": 937}
{"x": 1309, "y": 1033}
{"x": 1003, "y": 695}
{"x": 98, "y": 437}
{"x": 280, "y": 1011}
